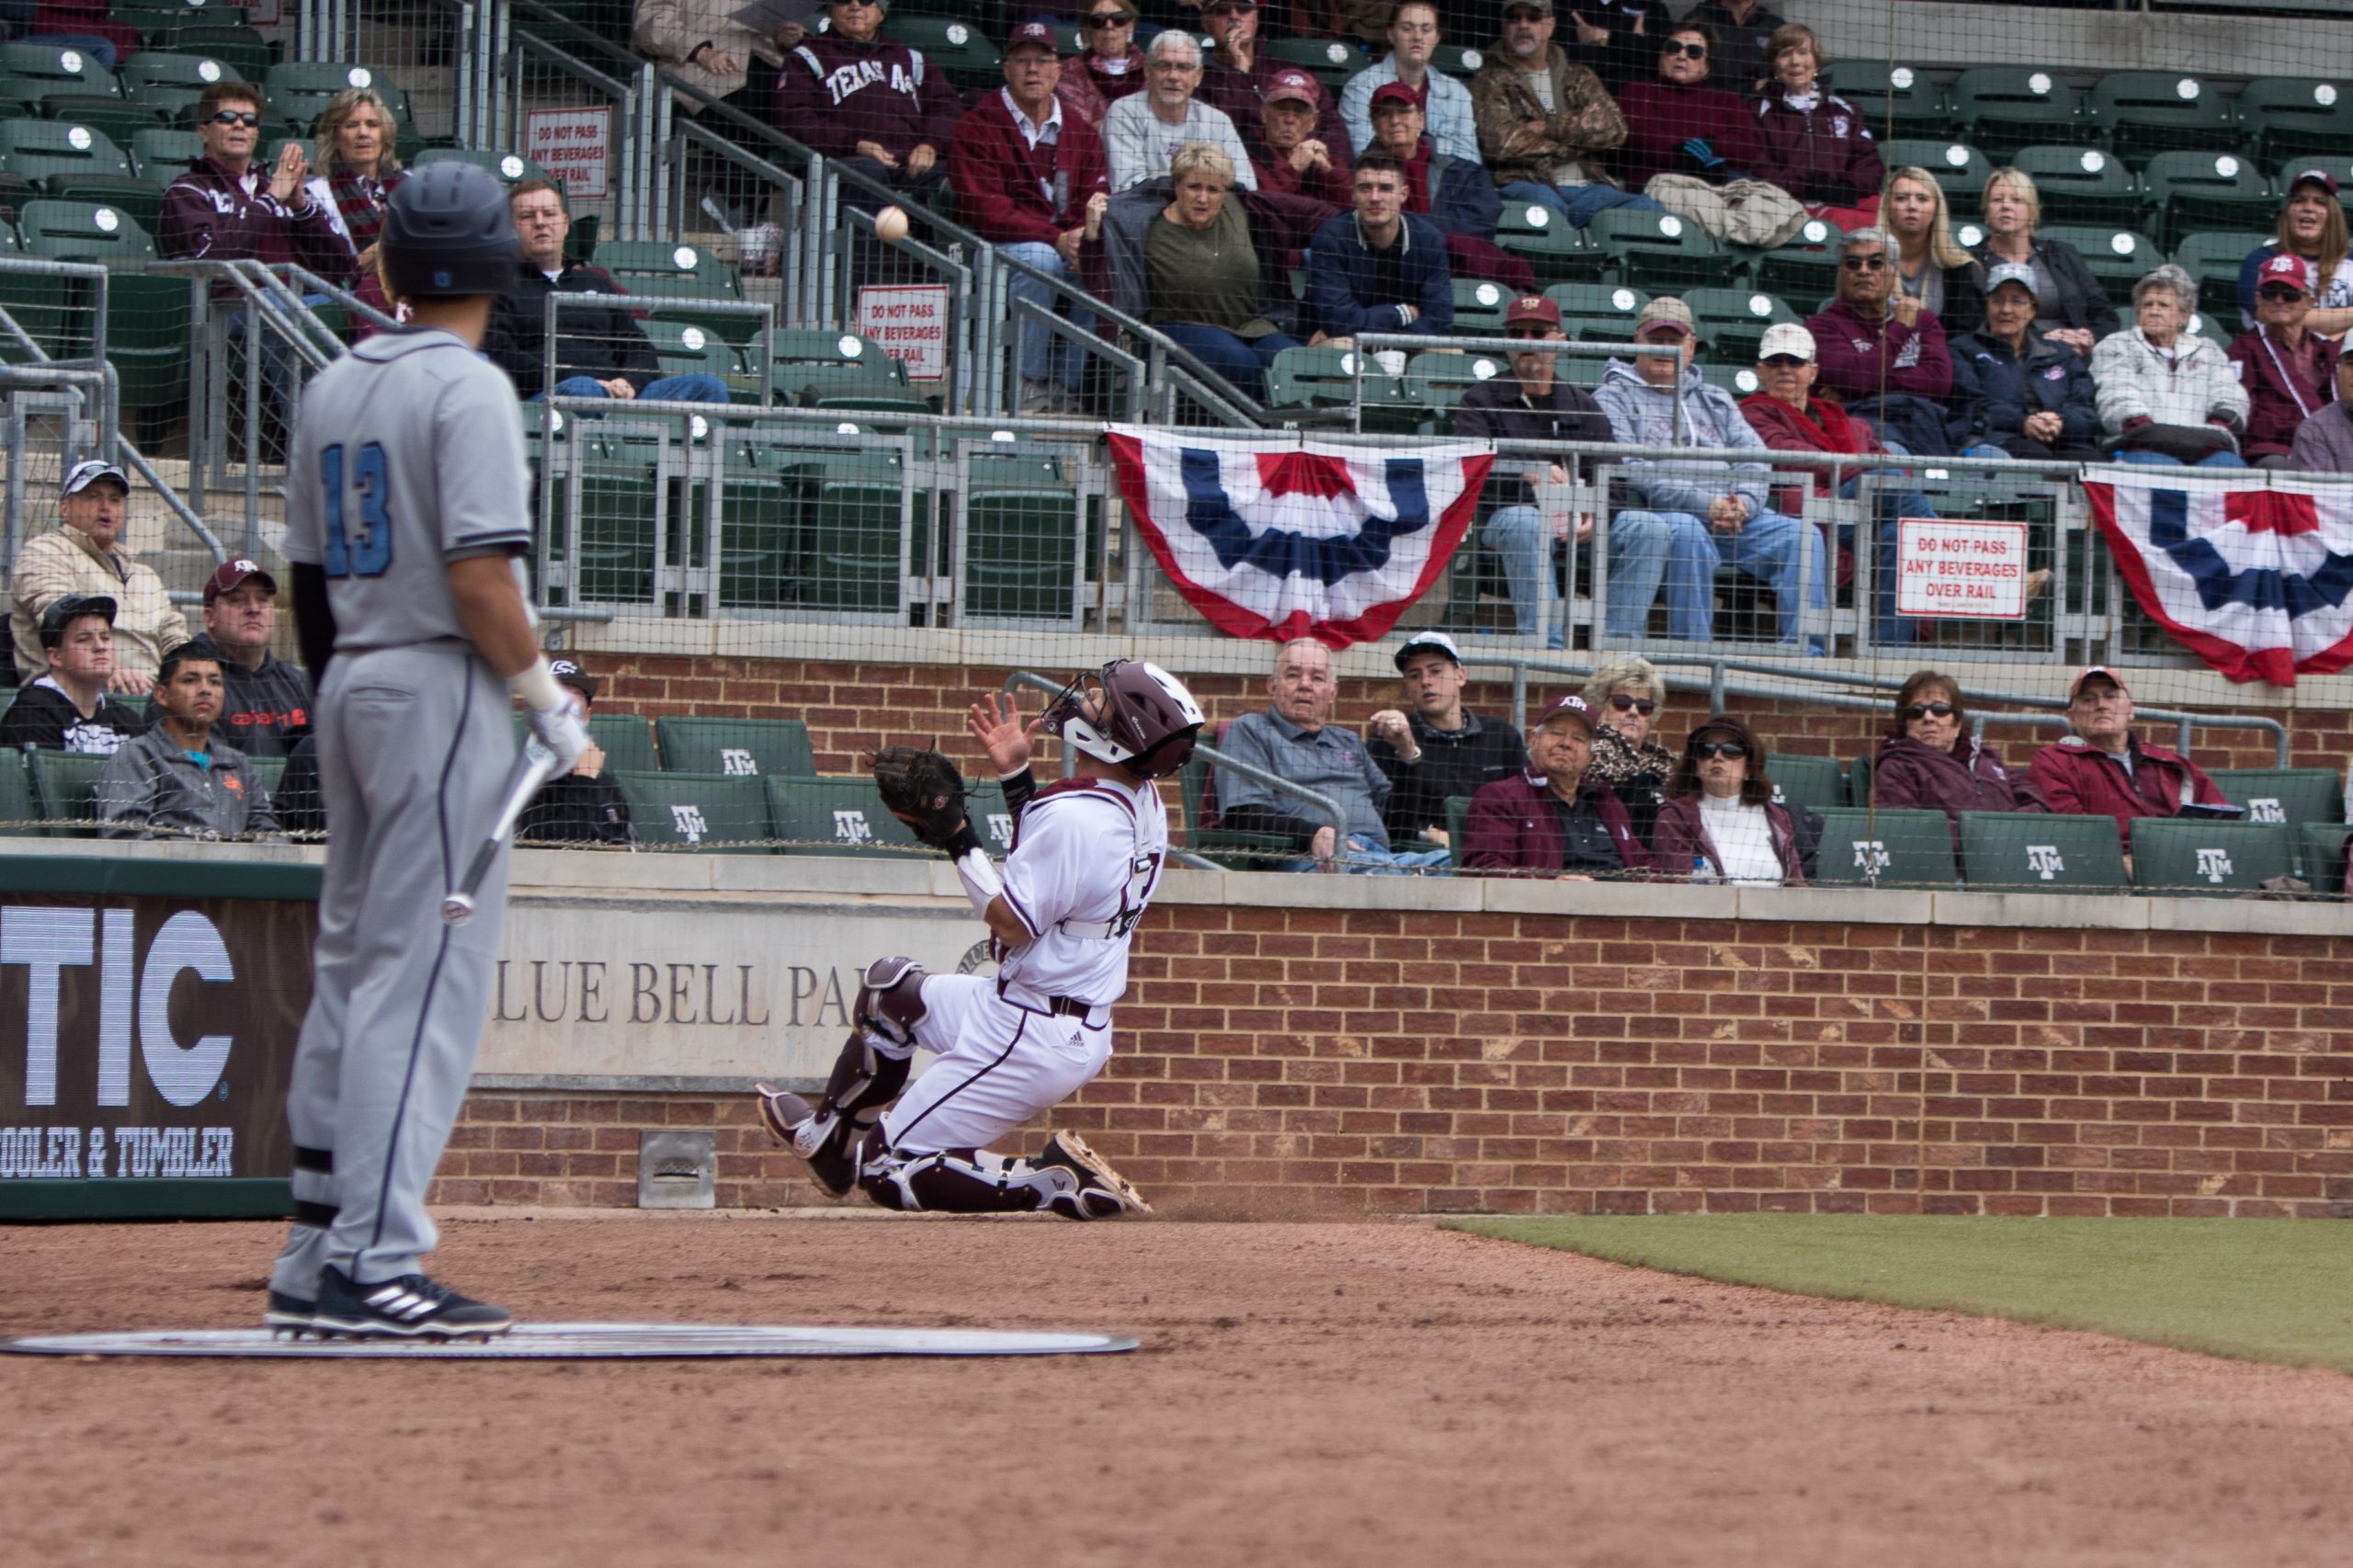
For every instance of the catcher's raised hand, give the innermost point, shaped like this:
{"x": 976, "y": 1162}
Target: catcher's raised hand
{"x": 996, "y": 724}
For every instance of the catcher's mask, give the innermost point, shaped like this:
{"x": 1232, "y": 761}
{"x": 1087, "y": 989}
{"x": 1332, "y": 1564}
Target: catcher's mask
{"x": 1132, "y": 713}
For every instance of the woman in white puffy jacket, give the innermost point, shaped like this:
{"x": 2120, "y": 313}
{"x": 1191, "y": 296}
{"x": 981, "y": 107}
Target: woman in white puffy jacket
{"x": 2166, "y": 395}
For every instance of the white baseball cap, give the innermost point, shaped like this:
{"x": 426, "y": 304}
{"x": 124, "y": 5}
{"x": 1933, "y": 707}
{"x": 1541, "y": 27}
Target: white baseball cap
{"x": 83, "y": 475}
{"x": 1787, "y": 337}
{"x": 1428, "y": 642}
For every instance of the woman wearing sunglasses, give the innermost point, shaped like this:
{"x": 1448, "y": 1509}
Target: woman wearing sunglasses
{"x": 1110, "y": 66}
{"x": 1624, "y": 697}
{"x": 1720, "y": 822}
{"x": 1679, "y": 123}
{"x": 1930, "y": 761}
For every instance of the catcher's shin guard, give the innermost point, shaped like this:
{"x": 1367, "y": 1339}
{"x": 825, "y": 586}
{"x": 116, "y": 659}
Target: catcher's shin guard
{"x": 973, "y": 1181}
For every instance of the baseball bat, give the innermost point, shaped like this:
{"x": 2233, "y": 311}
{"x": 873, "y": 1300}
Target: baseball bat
{"x": 533, "y": 766}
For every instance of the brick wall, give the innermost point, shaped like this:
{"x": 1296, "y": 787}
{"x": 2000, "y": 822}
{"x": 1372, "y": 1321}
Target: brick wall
{"x": 851, "y": 708}
{"x": 1278, "y": 1061}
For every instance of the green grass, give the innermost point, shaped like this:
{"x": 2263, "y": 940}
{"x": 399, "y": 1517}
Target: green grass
{"x": 2263, "y": 1291}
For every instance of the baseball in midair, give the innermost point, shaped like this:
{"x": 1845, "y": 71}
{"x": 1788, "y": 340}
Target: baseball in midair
{"x": 891, "y": 225}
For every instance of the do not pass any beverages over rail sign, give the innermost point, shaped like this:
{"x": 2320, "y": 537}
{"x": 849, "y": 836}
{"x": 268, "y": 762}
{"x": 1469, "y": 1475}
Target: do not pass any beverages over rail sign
{"x": 1970, "y": 571}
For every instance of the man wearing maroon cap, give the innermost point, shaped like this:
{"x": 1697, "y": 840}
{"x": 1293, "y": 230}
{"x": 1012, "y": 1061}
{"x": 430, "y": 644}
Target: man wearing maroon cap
{"x": 1289, "y": 156}
{"x": 1455, "y": 195}
{"x": 2290, "y": 371}
{"x": 2311, "y": 226}
{"x": 1536, "y": 402}
{"x": 2099, "y": 769}
{"x": 1413, "y": 35}
{"x": 1235, "y": 77}
{"x": 267, "y": 705}
{"x": 1553, "y": 821}
{"x": 1034, "y": 181}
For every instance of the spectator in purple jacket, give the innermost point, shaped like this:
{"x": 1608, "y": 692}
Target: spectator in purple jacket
{"x": 1930, "y": 761}
{"x": 1552, "y": 821}
{"x": 1720, "y": 822}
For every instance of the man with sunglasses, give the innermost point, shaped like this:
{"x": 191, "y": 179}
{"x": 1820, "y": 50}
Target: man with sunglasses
{"x": 1435, "y": 748}
{"x": 1544, "y": 120}
{"x": 1789, "y": 417}
{"x": 2289, "y": 371}
{"x": 1413, "y": 35}
{"x": 1536, "y": 402}
{"x": 1883, "y": 353}
{"x": 1238, "y": 75}
{"x": 1033, "y": 181}
{"x": 1109, "y": 68}
{"x": 228, "y": 208}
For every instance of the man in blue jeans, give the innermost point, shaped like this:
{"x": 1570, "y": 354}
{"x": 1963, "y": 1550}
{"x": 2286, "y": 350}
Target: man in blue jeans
{"x": 1714, "y": 510}
{"x": 1543, "y": 121}
{"x": 1535, "y": 403}
{"x": 600, "y": 350}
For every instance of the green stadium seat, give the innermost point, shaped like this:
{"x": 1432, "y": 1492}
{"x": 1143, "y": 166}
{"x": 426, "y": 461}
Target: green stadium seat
{"x": 1022, "y": 551}
{"x": 1555, "y": 250}
{"x": 617, "y": 517}
{"x": 1733, "y": 321}
{"x": 822, "y": 345}
{"x": 1329, "y": 60}
{"x": 680, "y": 349}
{"x": 626, "y": 741}
{"x": 1813, "y": 782}
{"x": 241, "y": 48}
{"x": 511, "y": 167}
{"x": 40, "y": 305}
{"x": 53, "y": 64}
{"x": 2214, "y": 260}
{"x": 2143, "y": 113}
{"x": 2319, "y": 850}
{"x": 1960, "y": 169}
{"x": 1458, "y": 62}
{"x": 1659, "y": 251}
{"x": 1319, "y": 378}
{"x": 673, "y": 297}
{"x": 2116, "y": 258}
{"x": 163, "y": 154}
{"x": 2080, "y": 185}
{"x": 853, "y": 559}
{"x": 152, "y": 68}
{"x": 2290, "y": 795}
{"x": 630, "y": 259}
{"x": 1234, "y": 850}
{"x": 2037, "y": 852}
{"x": 18, "y": 816}
{"x": 1741, "y": 380}
{"x": 709, "y": 811}
{"x": 1897, "y": 100}
{"x": 117, "y": 120}
{"x": 64, "y": 789}
{"x": 2004, "y": 109}
{"x": 2285, "y": 118}
{"x": 1479, "y": 306}
{"x": 1457, "y": 828}
{"x": 82, "y": 231}
{"x": 1886, "y": 848}
{"x": 1598, "y": 302}
{"x": 1804, "y": 271}
{"x": 2210, "y": 860}
{"x": 958, "y": 47}
{"x": 2199, "y": 192}
{"x": 804, "y": 385}
{"x": 739, "y": 747}
{"x": 299, "y": 90}
{"x": 835, "y": 816}
{"x": 1858, "y": 780}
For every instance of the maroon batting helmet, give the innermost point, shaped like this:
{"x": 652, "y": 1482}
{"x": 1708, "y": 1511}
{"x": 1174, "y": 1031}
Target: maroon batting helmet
{"x": 1137, "y": 716}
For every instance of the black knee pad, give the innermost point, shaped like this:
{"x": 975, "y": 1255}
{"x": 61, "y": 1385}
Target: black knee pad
{"x": 866, "y": 1078}
{"x": 889, "y": 1002}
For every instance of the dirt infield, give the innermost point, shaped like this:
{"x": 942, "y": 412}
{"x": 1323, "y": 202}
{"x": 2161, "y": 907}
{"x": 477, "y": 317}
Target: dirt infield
{"x": 1307, "y": 1394}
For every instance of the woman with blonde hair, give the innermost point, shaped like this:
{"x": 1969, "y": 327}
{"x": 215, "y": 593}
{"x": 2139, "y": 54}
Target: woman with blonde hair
{"x": 1930, "y": 265}
{"x": 1622, "y": 696}
{"x": 355, "y": 137}
{"x": 2071, "y": 308}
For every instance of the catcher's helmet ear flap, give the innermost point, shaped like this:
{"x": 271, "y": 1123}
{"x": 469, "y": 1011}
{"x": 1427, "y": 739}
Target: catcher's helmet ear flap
{"x": 1137, "y": 716}
{"x": 447, "y": 233}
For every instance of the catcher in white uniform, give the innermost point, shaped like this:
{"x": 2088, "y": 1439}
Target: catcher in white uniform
{"x": 1087, "y": 853}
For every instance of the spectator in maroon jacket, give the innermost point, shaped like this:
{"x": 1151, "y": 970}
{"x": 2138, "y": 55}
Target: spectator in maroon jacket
{"x": 1288, "y": 154}
{"x": 865, "y": 100}
{"x": 1720, "y": 822}
{"x": 1237, "y": 74}
{"x": 1677, "y": 124}
{"x": 1882, "y": 354}
{"x": 2290, "y": 371}
{"x": 1930, "y": 761}
{"x": 1033, "y": 180}
{"x": 1109, "y": 68}
{"x": 1553, "y": 821}
{"x": 1817, "y": 146}
{"x": 2101, "y": 770}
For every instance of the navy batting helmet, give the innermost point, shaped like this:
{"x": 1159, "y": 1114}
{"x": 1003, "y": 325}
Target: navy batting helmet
{"x": 447, "y": 232}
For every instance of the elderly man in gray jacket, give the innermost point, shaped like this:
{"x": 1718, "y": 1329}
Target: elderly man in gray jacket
{"x": 178, "y": 781}
{"x": 1713, "y": 510}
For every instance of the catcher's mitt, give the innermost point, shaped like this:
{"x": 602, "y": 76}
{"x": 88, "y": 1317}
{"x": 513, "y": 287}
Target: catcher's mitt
{"x": 925, "y": 791}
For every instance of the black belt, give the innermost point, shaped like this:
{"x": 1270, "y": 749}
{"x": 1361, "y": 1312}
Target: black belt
{"x": 1069, "y": 1006}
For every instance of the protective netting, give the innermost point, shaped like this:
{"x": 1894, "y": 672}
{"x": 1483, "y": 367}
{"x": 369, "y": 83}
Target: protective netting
{"x": 868, "y": 477}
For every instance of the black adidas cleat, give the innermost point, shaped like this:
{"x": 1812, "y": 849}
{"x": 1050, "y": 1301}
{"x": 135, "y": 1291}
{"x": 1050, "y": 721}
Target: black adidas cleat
{"x": 1103, "y": 1193}
{"x": 411, "y": 1307}
{"x": 822, "y": 1144}
{"x": 288, "y": 1314}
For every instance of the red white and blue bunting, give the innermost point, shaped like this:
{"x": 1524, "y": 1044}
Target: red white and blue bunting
{"x": 1279, "y": 538}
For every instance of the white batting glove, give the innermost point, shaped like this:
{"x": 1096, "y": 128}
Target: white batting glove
{"x": 564, "y": 730}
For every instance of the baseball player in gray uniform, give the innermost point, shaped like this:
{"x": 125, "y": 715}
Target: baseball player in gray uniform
{"x": 405, "y": 513}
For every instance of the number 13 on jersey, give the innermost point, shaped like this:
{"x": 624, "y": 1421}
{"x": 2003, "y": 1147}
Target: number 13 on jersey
{"x": 370, "y": 552}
